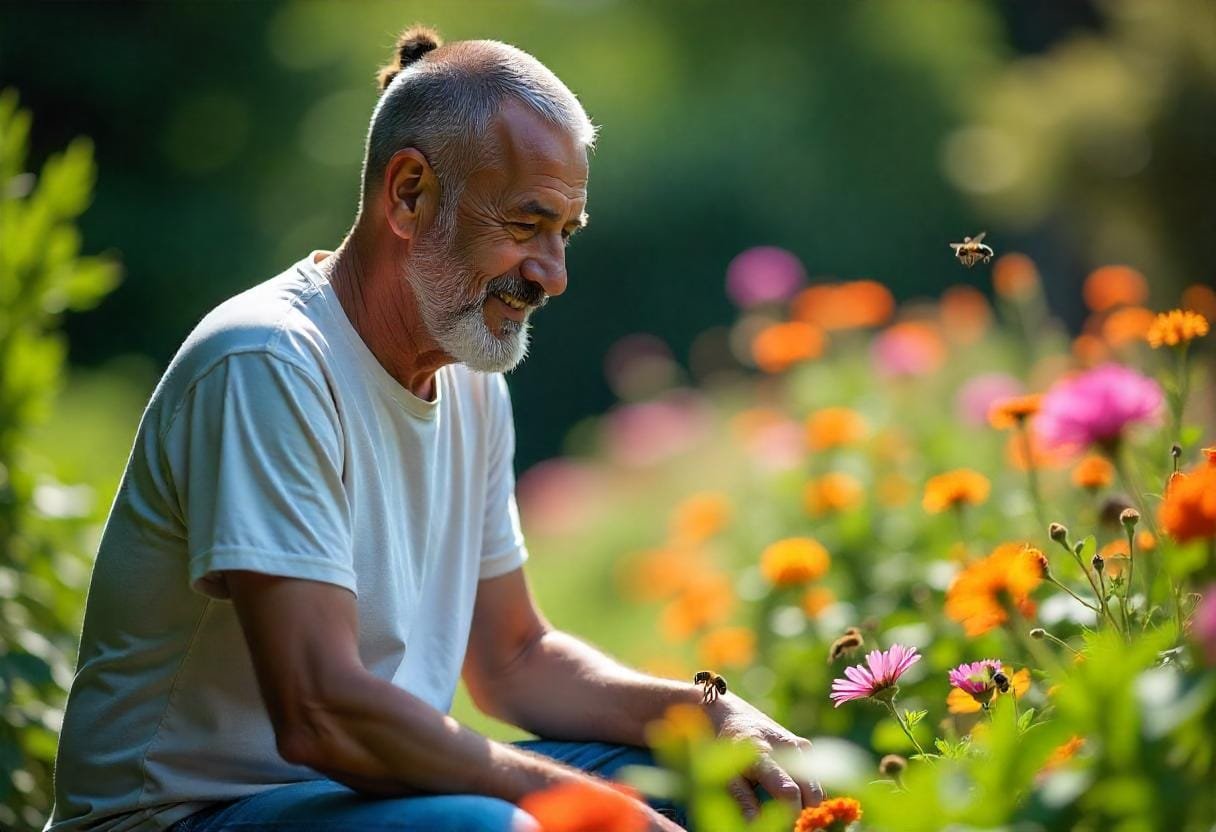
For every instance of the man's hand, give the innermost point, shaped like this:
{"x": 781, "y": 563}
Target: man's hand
{"x": 735, "y": 719}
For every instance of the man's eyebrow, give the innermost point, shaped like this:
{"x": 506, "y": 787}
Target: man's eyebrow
{"x": 534, "y": 208}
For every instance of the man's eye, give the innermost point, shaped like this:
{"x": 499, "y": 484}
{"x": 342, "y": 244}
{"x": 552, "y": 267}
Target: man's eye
{"x": 527, "y": 227}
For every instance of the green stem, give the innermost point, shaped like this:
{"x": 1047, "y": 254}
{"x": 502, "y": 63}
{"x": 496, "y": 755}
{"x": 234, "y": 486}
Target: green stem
{"x": 1131, "y": 569}
{"x": 1061, "y": 642}
{"x": 1053, "y": 580}
{"x": 907, "y": 731}
{"x": 1032, "y": 475}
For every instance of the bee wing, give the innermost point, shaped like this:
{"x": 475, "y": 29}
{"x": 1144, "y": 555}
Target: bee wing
{"x": 978, "y": 238}
{"x": 956, "y": 246}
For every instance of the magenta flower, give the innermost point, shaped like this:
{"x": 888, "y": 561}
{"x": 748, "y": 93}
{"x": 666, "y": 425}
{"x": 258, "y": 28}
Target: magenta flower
{"x": 763, "y": 274}
{"x": 1203, "y": 626}
{"x": 975, "y": 678}
{"x": 1097, "y": 406}
{"x": 883, "y": 672}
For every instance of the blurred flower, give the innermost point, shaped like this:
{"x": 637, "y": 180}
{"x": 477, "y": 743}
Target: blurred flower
{"x": 639, "y": 366}
{"x": 895, "y": 490}
{"x": 965, "y": 314}
{"x": 1014, "y": 411}
{"x": 981, "y": 596}
{"x": 816, "y": 600}
{"x": 1200, "y": 298}
{"x": 1188, "y": 511}
{"x": 727, "y": 647}
{"x": 1145, "y": 541}
{"x": 974, "y": 685}
{"x": 661, "y": 573}
{"x": 1203, "y": 625}
{"x": 681, "y": 725}
{"x": 667, "y": 667}
{"x": 977, "y": 396}
{"x": 1093, "y": 472}
{"x": 1127, "y": 325}
{"x": 832, "y": 427}
{"x": 833, "y": 814}
{"x": 1040, "y": 455}
{"x": 794, "y": 561}
{"x": 912, "y": 348}
{"x": 643, "y": 434}
{"x": 877, "y": 678}
{"x": 558, "y": 496}
{"x": 699, "y": 517}
{"x": 1176, "y": 327}
{"x": 586, "y": 807}
{"x": 1090, "y": 350}
{"x": 1111, "y": 286}
{"x": 1096, "y": 406}
{"x": 1210, "y": 455}
{"x": 1062, "y": 754}
{"x": 778, "y": 347}
{"x": 707, "y": 598}
{"x": 850, "y": 305}
{"x": 1014, "y": 276}
{"x": 763, "y": 274}
{"x": 954, "y": 488}
{"x": 832, "y": 493}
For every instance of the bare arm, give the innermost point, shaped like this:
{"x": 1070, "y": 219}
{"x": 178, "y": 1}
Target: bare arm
{"x": 522, "y": 670}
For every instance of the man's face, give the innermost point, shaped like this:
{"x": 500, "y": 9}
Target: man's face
{"x": 484, "y": 267}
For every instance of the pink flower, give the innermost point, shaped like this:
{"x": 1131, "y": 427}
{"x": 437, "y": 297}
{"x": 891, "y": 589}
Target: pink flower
{"x": 979, "y": 394}
{"x": 1203, "y": 625}
{"x": 762, "y": 274}
{"x": 1096, "y": 406}
{"x": 975, "y": 678}
{"x": 883, "y": 671}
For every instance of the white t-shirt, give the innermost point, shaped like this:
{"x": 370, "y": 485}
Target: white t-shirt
{"x": 275, "y": 442}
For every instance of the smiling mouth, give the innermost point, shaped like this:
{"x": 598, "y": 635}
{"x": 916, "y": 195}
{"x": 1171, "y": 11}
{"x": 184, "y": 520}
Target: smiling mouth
{"x": 513, "y": 308}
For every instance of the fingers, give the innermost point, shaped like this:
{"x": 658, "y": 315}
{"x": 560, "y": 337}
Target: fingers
{"x": 778, "y": 783}
{"x": 745, "y": 796}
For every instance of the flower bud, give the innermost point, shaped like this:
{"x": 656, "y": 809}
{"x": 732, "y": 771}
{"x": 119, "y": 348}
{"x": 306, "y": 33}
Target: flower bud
{"x": 1129, "y": 517}
{"x": 1175, "y": 450}
{"x": 1038, "y": 633}
{"x": 1098, "y": 563}
{"x": 1041, "y": 559}
{"x": 892, "y": 765}
{"x": 1058, "y": 532}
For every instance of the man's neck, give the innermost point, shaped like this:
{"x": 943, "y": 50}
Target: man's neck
{"x": 383, "y": 312}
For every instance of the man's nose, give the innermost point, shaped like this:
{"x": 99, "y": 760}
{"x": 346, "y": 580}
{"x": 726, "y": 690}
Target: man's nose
{"x": 548, "y": 268}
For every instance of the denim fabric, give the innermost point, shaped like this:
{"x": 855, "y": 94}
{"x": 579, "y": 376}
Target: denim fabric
{"x": 316, "y": 805}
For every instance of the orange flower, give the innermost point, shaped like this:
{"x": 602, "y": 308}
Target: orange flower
{"x": 895, "y": 490}
{"x": 833, "y": 814}
{"x": 965, "y": 314}
{"x": 778, "y": 347}
{"x": 982, "y": 594}
{"x": 851, "y": 305}
{"x": 1093, "y": 472}
{"x": 1090, "y": 350}
{"x": 794, "y": 561}
{"x": 660, "y": 573}
{"x": 832, "y": 427}
{"x": 1177, "y": 327}
{"x": 1041, "y": 455}
{"x": 707, "y": 599}
{"x": 1013, "y": 412}
{"x": 1062, "y": 754}
{"x": 728, "y": 647}
{"x": 1200, "y": 298}
{"x": 1014, "y": 276}
{"x": 1188, "y": 511}
{"x": 699, "y": 517}
{"x": 1145, "y": 542}
{"x": 816, "y": 600}
{"x": 1111, "y": 286}
{"x": 1210, "y": 453}
{"x": 958, "y": 701}
{"x": 681, "y": 725}
{"x": 1115, "y": 558}
{"x": 586, "y": 807}
{"x": 1127, "y": 325}
{"x": 954, "y": 488}
{"x": 832, "y": 493}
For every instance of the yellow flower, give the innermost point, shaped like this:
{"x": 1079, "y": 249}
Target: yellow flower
{"x": 832, "y": 427}
{"x": 958, "y": 701}
{"x": 1176, "y": 327}
{"x": 794, "y": 561}
{"x": 1013, "y": 411}
{"x": 832, "y": 493}
{"x": 954, "y": 488}
{"x": 728, "y": 647}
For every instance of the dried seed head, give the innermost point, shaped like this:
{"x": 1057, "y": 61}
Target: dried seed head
{"x": 1098, "y": 563}
{"x": 1175, "y": 450}
{"x": 892, "y": 765}
{"x": 1038, "y": 633}
{"x": 1058, "y": 532}
{"x": 1129, "y": 517}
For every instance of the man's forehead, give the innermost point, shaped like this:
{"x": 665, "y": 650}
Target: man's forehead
{"x": 534, "y": 158}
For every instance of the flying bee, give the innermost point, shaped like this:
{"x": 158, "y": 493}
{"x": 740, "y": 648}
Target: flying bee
{"x": 972, "y": 250}
{"x": 846, "y": 644}
{"x": 712, "y": 685}
{"x": 1000, "y": 680}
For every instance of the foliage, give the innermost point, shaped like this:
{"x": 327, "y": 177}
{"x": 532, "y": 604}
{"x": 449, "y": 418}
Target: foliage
{"x": 43, "y": 568}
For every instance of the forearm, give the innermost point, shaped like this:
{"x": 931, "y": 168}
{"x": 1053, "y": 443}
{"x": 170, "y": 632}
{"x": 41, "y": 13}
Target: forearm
{"x": 563, "y": 688}
{"x": 376, "y": 737}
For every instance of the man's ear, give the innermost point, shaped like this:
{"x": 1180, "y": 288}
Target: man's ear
{"x": 410, "y": 195}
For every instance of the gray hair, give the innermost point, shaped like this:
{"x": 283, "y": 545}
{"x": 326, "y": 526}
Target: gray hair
{"x": 442, "y": 100}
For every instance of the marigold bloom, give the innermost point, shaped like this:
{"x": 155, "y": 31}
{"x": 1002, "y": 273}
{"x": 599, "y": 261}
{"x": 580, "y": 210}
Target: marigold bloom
{"x": 699, "y": 517}
{"x": 850, "y": 305}
{"x": 1096, "y": 406}
{"x": 728, "y": 647}
{"x": 832, "y": 493}
{"x": 965, "y": 314}
{"x": 911, "y": 348}
{"x": 1127, "y": 325}
{"x": 1062, "y": 754}
{"x": 1188, "y": 511}
{"x": 1177, "y": 327}
{"x": 833, "y": 814}
{"x": 706, "y": 599}
{"x": 954, "y": 488}
{"x": 816, "y": 600}
{"x": 585, "y": 807}
{"x": 1015, "y": 276}
{"x": 982, "y": 594}
{"x": 660, "y": 573}
{"x": 794, "y": 561}
{"x": 831, "y": 427}
{"x": 778, "y": 347}
{"x": 1111, "y": 286}
{"x": 1093, "y": 472}
{"x": 879, "y": 675}
{"x": 1013, "y": 411}
{"x": 971, "y": 693}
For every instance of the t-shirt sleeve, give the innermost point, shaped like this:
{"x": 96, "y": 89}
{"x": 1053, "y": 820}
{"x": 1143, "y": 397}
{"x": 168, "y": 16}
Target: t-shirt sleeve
{"x": 256, "y": 455}
{"x": 503, "y": 548}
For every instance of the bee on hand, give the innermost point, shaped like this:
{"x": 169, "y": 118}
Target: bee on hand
{"x": 972, "y": 250}
{"x": 847, "y": 644}
{"x": 712, "y": 685}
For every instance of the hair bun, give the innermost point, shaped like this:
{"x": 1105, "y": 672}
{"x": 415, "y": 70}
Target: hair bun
{"x": 413, "y": 43}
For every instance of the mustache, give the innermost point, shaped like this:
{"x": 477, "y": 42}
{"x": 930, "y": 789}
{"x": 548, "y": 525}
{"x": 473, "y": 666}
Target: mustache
{"x": 528, "y": 291}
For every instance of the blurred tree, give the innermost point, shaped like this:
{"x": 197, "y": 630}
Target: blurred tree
{"x": 43, "y": 565}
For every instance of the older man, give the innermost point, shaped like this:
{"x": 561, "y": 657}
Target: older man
{"x": 316, "y": 531}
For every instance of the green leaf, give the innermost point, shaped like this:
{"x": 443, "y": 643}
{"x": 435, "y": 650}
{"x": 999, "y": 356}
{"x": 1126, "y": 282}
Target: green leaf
{"x": 913, "y": 718}
{"x": 1025, "y": 719}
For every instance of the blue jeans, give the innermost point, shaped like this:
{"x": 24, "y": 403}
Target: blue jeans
{"x": 328, "y": 805}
